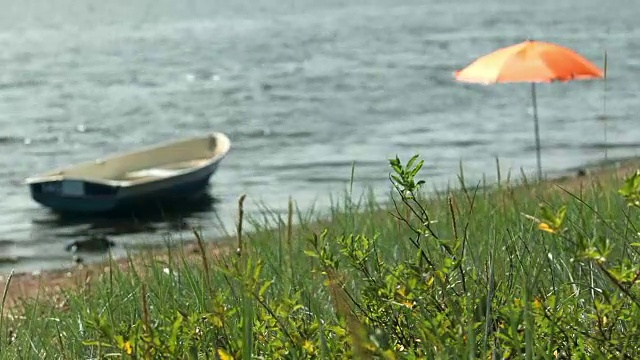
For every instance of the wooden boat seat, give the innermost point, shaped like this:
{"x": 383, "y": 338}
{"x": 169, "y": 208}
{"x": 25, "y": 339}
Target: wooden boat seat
{"x": 161, "y": 171}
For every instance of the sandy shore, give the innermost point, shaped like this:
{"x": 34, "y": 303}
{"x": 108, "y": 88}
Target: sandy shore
{"x": 47, "y": 285}
{"x": 28, "y": 285}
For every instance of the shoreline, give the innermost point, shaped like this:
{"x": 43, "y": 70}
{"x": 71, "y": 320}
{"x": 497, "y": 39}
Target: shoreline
{"x": 26, "y": 285}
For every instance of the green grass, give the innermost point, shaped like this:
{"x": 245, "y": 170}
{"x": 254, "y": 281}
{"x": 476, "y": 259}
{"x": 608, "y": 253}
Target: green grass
{"x": 480, "y": 279}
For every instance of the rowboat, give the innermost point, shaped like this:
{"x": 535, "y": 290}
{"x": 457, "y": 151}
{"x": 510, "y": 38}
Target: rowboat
{"x": 169, "y": 171}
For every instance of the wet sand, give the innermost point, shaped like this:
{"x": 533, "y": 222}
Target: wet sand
{"x": 47, "y": 285}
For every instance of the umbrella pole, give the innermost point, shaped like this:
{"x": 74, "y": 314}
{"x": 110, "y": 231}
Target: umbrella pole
{"x": 536, "y": 127}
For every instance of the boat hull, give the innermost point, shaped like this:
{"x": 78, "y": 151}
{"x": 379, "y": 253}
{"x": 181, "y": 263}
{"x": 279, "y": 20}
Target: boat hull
{"x": 101, "y": 198}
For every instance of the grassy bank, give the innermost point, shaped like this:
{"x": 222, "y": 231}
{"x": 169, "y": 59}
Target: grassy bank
{"x": 523, "y": 270}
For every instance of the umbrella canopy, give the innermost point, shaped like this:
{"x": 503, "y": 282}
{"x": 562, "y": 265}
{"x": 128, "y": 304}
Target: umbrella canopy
{"x": 530, "y": 61}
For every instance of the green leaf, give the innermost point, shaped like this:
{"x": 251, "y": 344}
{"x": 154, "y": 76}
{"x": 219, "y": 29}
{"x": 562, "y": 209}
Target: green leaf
{"x": 175, "y": 329}
{"x": 411, "y": 161}
{"x": 311, "y": 253}
{"x": 416, "y": 170}
{"x": 264, "y": 288}
{"x": 397, "y": 179}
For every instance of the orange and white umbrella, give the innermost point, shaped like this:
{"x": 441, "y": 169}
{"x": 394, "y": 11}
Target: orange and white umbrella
{"x": 530, "y": 61}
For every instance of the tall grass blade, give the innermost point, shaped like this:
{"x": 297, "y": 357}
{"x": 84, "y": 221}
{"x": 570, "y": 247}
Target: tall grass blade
{"x": 2, "y": 307}
{"x": 239, "y": 248}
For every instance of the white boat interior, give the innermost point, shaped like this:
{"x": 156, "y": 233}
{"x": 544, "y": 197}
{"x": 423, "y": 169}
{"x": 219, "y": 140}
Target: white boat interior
{"x": 146, "y": 165}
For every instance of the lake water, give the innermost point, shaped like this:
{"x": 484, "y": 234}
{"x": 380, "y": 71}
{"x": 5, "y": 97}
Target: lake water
{"x": 302, "y": 88}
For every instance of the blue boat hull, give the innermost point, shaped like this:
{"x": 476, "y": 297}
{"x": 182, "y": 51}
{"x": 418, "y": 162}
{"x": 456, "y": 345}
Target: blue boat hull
{"x": 100, "y": 198}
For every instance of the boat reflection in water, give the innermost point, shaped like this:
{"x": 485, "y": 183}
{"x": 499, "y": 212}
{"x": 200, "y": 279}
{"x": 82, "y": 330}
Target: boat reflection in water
{"x": 145, "y": 225}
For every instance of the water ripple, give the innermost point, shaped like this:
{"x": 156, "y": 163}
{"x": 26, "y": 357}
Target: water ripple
{"x": 302, "y": 92}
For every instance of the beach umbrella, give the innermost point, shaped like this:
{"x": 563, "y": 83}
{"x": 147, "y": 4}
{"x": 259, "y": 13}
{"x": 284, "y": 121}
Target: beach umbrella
{"x": 530, "y": 61}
